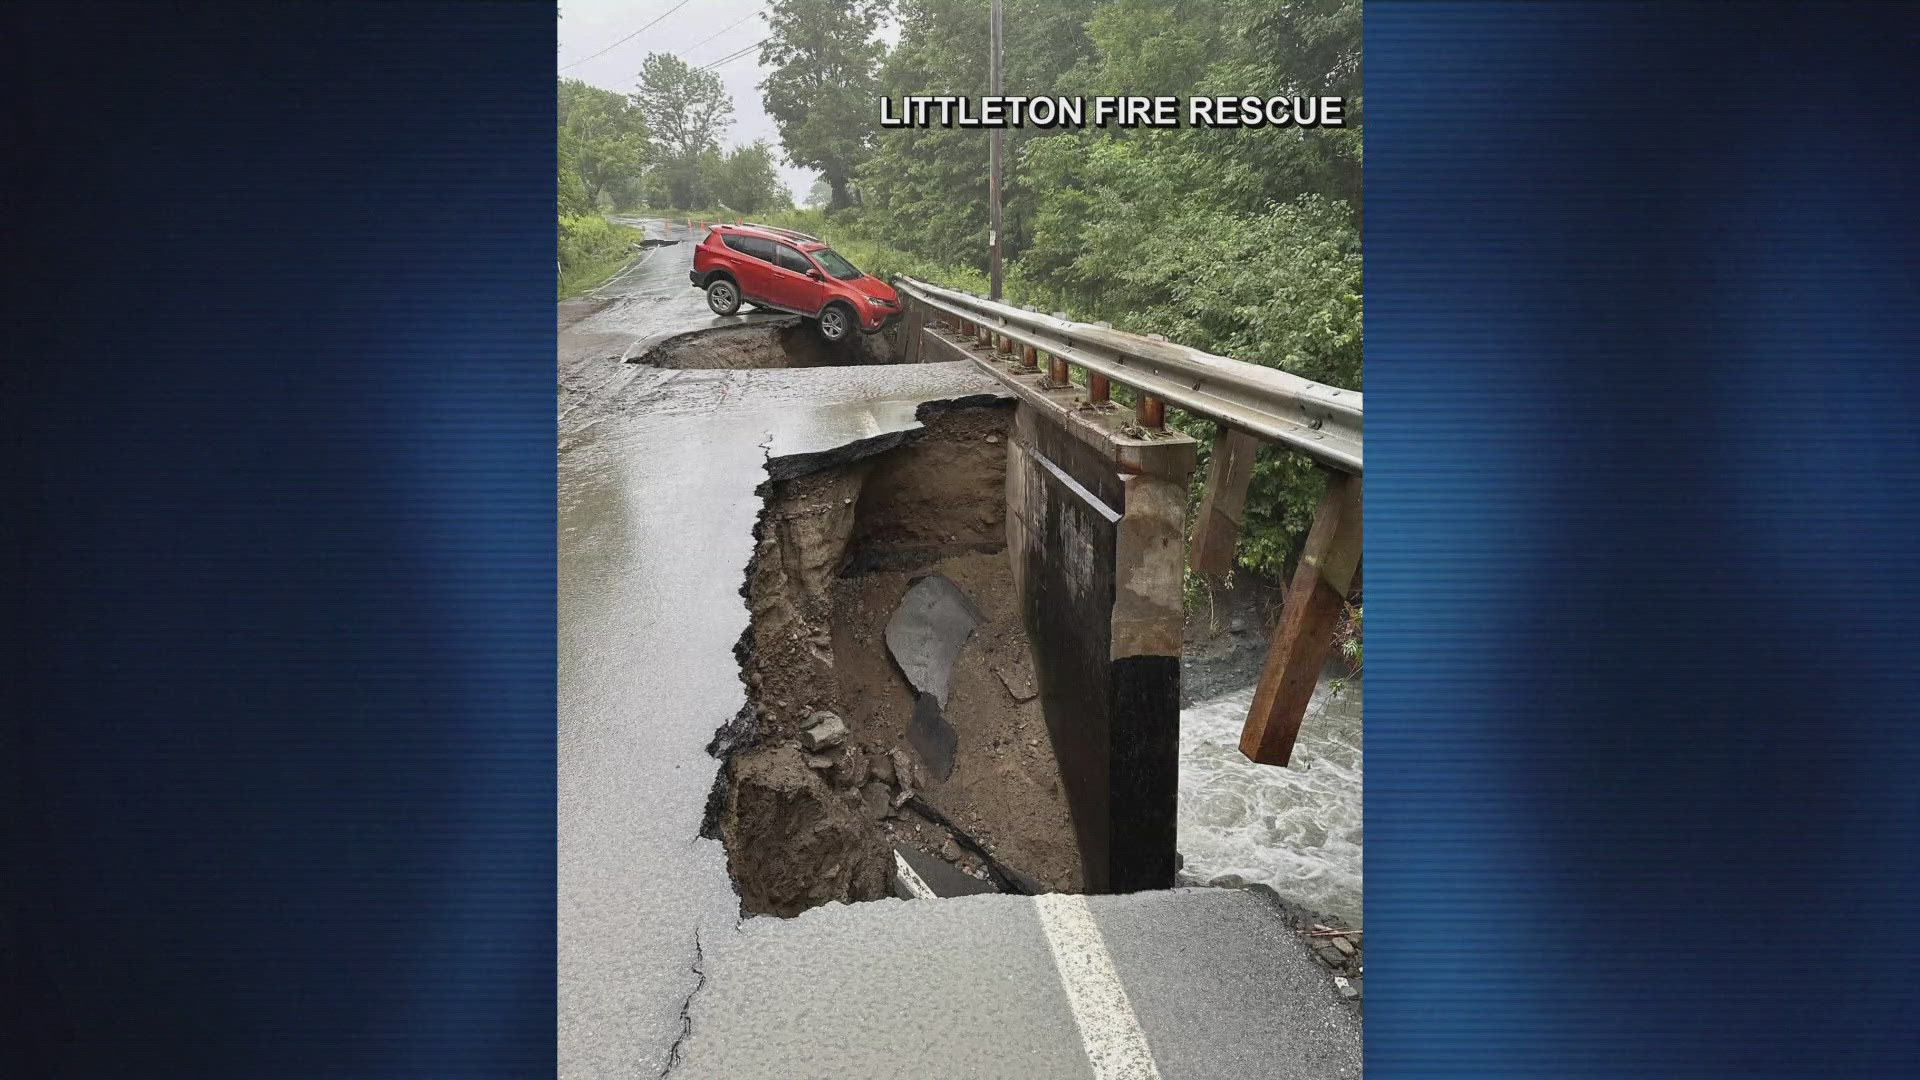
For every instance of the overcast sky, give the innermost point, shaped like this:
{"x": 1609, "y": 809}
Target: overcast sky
{"x": 588, "y": 26}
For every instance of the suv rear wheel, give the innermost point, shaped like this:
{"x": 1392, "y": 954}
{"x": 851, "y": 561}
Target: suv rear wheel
{"x": 836, "y": 322}
{"x": 723, "y": 296}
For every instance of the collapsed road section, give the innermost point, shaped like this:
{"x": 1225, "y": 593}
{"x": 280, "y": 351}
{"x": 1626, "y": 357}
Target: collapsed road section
{"x": 892, "y": 697}
{"x": 768, "y": 341}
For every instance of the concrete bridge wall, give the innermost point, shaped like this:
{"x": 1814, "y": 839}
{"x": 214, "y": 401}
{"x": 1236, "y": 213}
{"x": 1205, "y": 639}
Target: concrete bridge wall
{"x": 1096, "y": 517}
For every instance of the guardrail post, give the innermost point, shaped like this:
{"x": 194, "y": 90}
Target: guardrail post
{"x": 1099, "y": 388}
{"x": 1304, "y": 638}
{"x": 1058, "y": 377}
{"x": 1229, "y": 472}
{"x": 1149, "y": 412}
{"x": 1029, "y": 359}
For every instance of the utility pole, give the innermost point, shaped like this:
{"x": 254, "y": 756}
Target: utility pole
{"x": 995, "y": 143}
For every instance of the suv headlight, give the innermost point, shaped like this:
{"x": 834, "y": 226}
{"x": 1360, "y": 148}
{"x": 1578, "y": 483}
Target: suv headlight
{"x": 877, "y": 302}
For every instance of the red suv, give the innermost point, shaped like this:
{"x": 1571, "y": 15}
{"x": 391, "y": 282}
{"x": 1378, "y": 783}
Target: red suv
{"x": 790, "y": 271}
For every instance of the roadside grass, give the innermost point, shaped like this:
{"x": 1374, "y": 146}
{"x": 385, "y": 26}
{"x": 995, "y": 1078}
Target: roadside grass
{"x": 592, "y": 249}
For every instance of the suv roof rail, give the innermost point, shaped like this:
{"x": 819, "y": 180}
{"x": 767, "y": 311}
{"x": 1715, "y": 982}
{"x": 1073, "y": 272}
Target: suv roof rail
{"x": 783, "y": 231}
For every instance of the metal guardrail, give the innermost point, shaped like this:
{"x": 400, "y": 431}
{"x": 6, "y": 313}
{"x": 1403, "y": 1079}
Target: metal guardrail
{"x": 1251, "y": 404}
{"x": 1321, "y": 421}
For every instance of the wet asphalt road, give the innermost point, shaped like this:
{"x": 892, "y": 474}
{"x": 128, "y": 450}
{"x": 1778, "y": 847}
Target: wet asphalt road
{"x": 969, "y": 988}
{"x": 657, "y": 972}
{"x": 657, "y": 472}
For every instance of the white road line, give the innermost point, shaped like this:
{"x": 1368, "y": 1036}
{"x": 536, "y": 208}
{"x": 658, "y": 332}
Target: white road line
{"x": 1116, "y": 1047}
{"x": 912, "y": 881}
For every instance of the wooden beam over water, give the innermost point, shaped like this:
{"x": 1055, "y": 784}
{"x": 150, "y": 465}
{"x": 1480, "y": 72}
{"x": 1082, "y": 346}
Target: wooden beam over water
{"x": 1304, "y": 639}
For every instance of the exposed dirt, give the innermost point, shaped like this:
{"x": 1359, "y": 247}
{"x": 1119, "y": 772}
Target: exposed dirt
{"x": 1228, "y": 631}
{"x": 788, "y": 343}
{"x": 1228, "y": 628}
{"x": 837, "y": 548}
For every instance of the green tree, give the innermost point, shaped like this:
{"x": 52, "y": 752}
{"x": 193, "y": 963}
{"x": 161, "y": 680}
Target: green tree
{"x": 819, "y": 195}
{"x": 686, "y": 111}
{"x": 603, "y": 139}
{"x": 1241, "y": 242}
{"x": 572, "y": 193}
{"x": 824, "y": 55}
{"x": 928, "y": 187}
{"x": 747, "y": 181}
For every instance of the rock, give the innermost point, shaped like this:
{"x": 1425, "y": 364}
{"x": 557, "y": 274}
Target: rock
{"x": 928, "y": 630}
{"x": 903, "y": 770}
{"x": 900, "y": 797}
{"x": 1228, "y": 881}
{"x": 993, "y": 439}
{"x": 1327, "y": 956}
{"x": 1342, "y": 944}
{"x": 950, "y": 850}
{"x": 881, "y": 768}
{"x": 852, "y": 770}
{"x": 818, "y": 761}
{"x": 1346, "y": 988}
{"x": 930, "y": 734}
{"x": 874, "y": 795}
{"x": 823, "y": 729}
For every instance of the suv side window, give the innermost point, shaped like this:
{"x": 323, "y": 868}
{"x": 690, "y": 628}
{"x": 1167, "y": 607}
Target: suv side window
{"x": 789, "y": 259}
{"x": 750, "y": 245}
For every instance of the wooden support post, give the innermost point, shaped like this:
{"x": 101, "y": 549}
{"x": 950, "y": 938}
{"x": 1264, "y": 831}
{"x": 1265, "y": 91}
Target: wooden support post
{"x": 1099, "y": 388}
{"x": 1304, "y": 638}
{"x": 1149, "y": 412}
{"x": 916, "y": 322}
{"x": 1229, "y": 471}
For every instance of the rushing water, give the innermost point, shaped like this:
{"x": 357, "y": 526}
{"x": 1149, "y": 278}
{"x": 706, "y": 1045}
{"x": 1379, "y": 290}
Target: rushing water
{"x": 1297, "y": 829}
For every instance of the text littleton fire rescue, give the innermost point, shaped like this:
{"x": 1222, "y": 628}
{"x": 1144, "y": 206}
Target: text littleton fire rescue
{"x": 1013, "y": 111}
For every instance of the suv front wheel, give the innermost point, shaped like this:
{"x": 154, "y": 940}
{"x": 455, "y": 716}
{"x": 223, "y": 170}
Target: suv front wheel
{"x": 723, "y": 296}
{"x": 836, "y": 322}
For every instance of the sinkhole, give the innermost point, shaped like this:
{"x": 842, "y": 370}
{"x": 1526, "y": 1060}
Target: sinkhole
{"x": 767, "y": 341}
{"x": 893, "y": 717}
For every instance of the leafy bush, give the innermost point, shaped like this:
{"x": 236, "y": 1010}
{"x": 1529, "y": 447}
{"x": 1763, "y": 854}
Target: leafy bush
{"x": 591, "y": 249}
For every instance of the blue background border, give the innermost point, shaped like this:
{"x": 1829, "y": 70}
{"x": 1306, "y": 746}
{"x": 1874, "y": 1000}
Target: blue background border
{"x": 1643, "y": 456}
{"x": 279, "y": 509}
{"x": 278, "y": 499}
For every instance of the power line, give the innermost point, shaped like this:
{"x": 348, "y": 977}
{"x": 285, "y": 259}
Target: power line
{"x": 629, "y": 37}
{"x": 751, "y": 14}
{"x": 732, "y": 56}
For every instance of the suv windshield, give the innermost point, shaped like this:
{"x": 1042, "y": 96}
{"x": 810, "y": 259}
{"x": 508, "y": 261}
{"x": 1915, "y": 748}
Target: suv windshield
{"x": 836, "y": 265}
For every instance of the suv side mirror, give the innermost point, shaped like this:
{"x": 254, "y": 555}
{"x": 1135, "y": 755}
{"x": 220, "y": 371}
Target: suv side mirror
{"x": 814, "y": 273}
